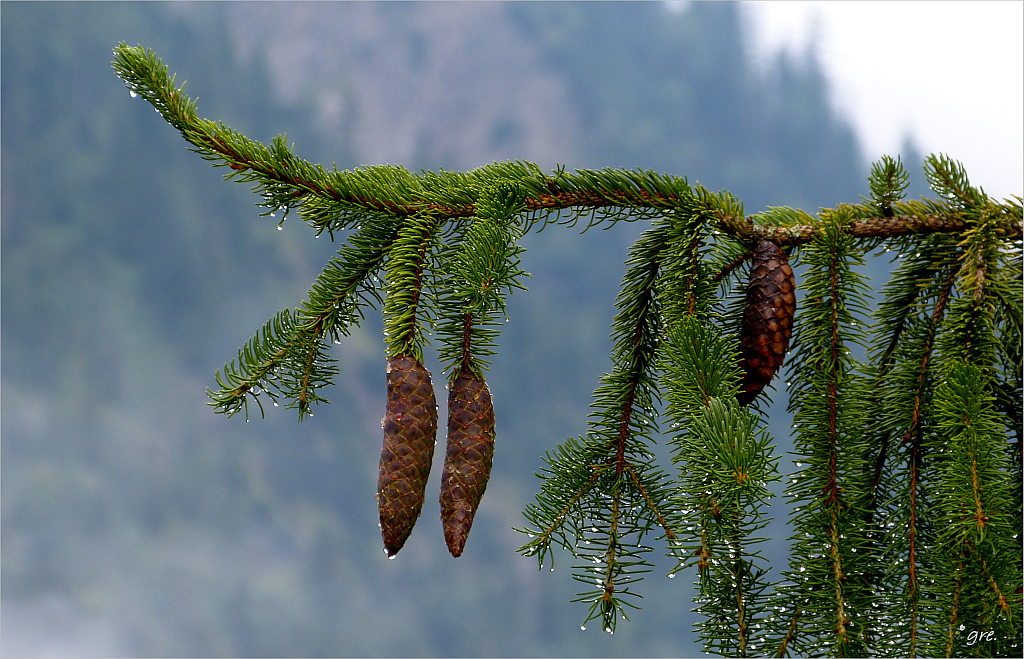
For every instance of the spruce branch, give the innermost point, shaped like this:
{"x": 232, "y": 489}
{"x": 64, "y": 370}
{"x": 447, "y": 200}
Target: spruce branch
{"x": 724, "y": 465}
{"x": 408, "y": 303}
{"x": 333, "y": 200}
{"x": 894, "y": 376}
{"x": 349, "y": 281}
{"x": 478, "y": 274}
{"x": 605, "y": 480}
{"x": 908, "y": 492}
{"x": 912, "y": 284}
{"x": 732, "y": 265}
{"x": 789, "y": 635}
{"x": 252, "y": 372}
{"x": 973, "y": 488}
{"x": 728, "y": 464}
{"x": 288, "y": 356}
{"x": 954, "y": 610}
{"x": 825, "y": 558}
{"x": 888, "y": 182}
{"x": 684, "y": 287}
{"x": 948, "y": 179}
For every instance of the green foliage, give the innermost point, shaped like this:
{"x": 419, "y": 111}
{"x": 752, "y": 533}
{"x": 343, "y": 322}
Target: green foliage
{"x": 830, "y": 492}
{"x": 603, "y": 493}
{"x": 901, "y": 523}
{"x": 975, "y": 520}
{"x": 728, "y": 465}
{"x": 289, "y": 356}
{"x": 725, "y": 463}
{"x": 934, "y": 349}
{"x": 480, "y": 271}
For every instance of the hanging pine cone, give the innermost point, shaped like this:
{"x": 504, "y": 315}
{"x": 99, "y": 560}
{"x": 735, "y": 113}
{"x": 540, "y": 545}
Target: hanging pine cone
{"x": 410, "y": 430}
{"x": 467, "y": 462}
{"x": 767, "y": 319}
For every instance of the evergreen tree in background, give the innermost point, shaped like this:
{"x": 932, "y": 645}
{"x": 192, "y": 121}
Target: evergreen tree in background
{"x": 907, "y": 498}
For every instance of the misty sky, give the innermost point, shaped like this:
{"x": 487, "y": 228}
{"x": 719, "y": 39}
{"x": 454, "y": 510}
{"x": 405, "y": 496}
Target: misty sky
{"x": 950, "y": 74}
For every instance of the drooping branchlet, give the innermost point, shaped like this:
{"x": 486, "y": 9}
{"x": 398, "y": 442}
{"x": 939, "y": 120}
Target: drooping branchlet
{"x": 767, "y": 319}
{"x": 410, "y": 430}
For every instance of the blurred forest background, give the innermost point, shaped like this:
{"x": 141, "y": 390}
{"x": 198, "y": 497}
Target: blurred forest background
{"x": 137, "y": 522}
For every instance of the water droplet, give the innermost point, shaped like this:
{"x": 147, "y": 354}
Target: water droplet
{"x": 672, "y": 576}
{"x": 279, "y": 227}
{"x": 275, "y": 403}
{"x": 131, "y": 92}
{"x": 392, "y": 557}
{"x": 583, "y": 628}
{"x": 273, "y": 215}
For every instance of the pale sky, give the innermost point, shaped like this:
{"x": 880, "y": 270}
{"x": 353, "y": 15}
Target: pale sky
{"x": 949, "y": 74}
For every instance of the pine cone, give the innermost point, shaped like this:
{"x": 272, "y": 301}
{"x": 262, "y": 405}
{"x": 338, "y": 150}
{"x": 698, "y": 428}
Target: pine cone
{"x": 410, "y": 430}
{"x": 467, "y": 462}
{"x": 767, "y": 319}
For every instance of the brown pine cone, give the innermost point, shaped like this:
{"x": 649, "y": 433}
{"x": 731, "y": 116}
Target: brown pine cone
{"x": 410, "y": 430}
{"x": 767, "y": 319}
{"x": 467, "y": 462}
